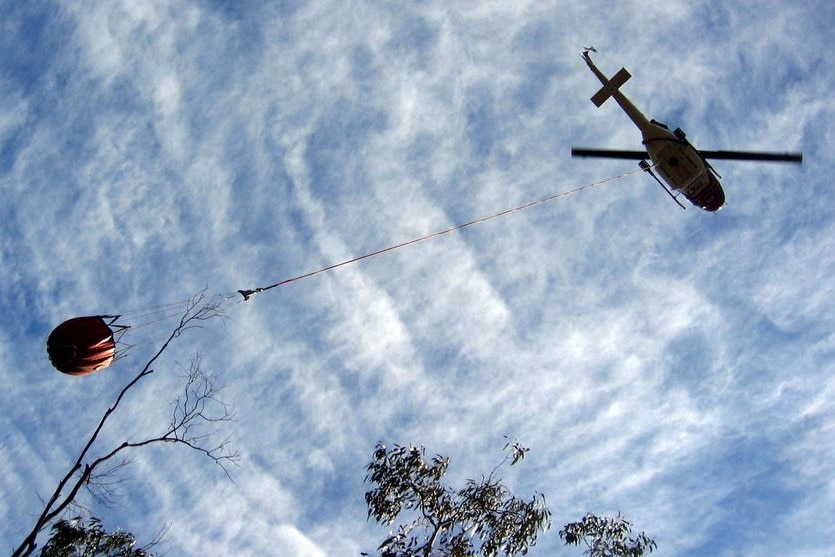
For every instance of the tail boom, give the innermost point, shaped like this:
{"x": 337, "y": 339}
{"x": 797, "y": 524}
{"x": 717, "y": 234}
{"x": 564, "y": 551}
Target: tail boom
{"x": 611, "y": 88}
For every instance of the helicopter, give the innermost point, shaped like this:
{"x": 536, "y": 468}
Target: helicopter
{"x": 684, "y": 168}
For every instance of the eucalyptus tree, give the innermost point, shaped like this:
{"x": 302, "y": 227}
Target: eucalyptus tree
{"x": 606, "y": 536}
{"x": 482, "y": 518}
{"x": 76, "y": 537}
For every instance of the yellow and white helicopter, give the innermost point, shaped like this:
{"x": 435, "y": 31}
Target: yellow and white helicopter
{"x": 683, "y": 167}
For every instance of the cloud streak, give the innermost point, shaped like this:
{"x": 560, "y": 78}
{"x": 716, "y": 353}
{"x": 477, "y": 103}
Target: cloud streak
{"x": 669, "y": 364}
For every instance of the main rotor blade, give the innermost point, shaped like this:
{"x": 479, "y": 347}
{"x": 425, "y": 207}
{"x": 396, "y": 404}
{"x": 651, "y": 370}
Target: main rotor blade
{"x": 753, "y": 156}
{"x": 609, "y": 153}
{"x": 725, "y": 155}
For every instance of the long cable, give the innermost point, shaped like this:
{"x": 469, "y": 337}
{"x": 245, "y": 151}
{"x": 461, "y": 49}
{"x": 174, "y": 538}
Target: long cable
{"x": 248, "y": 293}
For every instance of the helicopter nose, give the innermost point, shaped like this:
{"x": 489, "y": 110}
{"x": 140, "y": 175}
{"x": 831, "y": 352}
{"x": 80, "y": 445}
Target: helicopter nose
{"x": 715, "y": 201}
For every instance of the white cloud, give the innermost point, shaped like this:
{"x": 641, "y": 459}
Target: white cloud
{"x": 641, "y": 351}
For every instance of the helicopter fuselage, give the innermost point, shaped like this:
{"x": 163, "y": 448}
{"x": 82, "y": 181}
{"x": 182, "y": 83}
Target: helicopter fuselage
{"x": 673, "y": 157}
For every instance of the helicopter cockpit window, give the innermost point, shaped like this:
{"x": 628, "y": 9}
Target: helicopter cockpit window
{"x": 712, "y": 198}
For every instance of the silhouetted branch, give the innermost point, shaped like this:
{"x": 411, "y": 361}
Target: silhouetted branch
{"x": 197, "y": 406}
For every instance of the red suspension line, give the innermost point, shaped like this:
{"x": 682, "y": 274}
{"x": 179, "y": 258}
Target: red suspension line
{"x": 248, "y": 293}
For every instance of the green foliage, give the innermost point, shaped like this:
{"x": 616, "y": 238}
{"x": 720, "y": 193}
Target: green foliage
{"x": 74, "y": 538}
{"x": 483, "y": 518}
{"x": 607, "y": 537}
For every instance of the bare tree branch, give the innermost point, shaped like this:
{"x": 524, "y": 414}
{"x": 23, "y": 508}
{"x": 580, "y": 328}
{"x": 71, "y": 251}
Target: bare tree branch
{"x": 196, "y": 406}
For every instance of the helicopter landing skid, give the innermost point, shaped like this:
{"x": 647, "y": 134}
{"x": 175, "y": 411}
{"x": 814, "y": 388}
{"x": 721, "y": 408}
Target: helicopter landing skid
{"x": 645, "y": 166}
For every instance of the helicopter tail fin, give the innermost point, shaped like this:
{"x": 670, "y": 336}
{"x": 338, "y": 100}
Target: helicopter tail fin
{"x": 610, "y": 86}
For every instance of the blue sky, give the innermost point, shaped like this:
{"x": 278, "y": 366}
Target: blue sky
{"x": 672, "y": 365}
